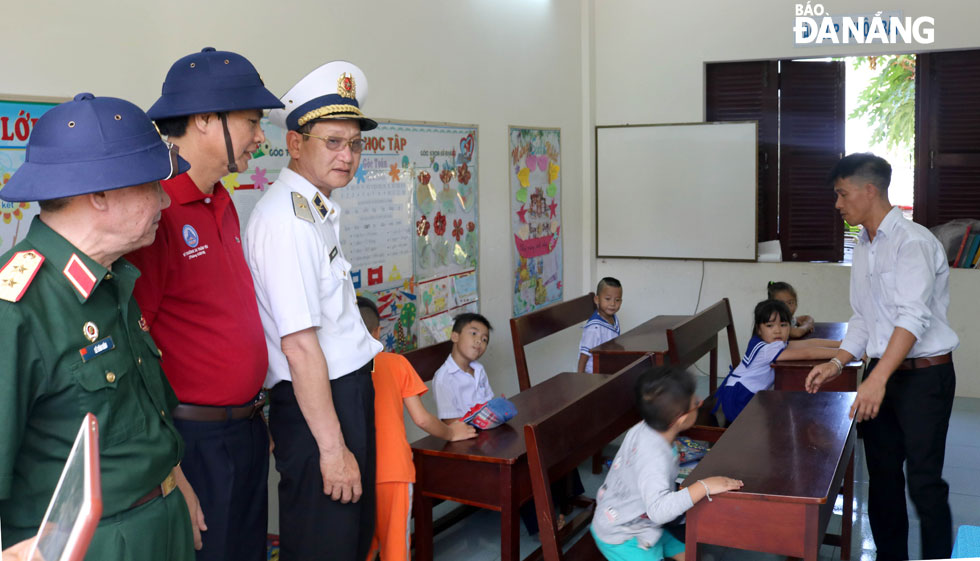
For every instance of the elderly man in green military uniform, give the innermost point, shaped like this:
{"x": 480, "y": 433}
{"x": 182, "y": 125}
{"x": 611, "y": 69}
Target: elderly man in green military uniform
{"x": 73, "y": 338}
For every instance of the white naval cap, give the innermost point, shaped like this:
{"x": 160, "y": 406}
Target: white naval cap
{"x": 335, "y": 90}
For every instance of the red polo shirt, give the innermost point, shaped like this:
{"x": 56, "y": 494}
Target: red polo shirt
{"x": 197, "y": 297}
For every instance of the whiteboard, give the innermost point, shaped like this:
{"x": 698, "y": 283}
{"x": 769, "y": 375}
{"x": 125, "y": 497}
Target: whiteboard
{"x": 683, "y": 191}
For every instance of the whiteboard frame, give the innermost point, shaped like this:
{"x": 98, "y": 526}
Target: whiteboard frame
{"x": 755, "y": 223}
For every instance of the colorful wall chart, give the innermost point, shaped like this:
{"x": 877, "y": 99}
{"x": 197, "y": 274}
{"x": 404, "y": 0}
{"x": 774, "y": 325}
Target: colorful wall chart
{"x": 409, "y": 220}
{"x": 17, "y": 120}
{"x": 535, "y": 187}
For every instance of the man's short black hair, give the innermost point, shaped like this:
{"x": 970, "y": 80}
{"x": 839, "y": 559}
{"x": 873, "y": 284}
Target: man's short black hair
{"x": 462, "y": 320}
{"x": 608, "y": 281}
{"x": 369, "y": 313}
{"x": 663, "y": 394}
{"x": 173, "y": 127}
{"x": 765, "y": 309}
{"x": 866, "y": 167}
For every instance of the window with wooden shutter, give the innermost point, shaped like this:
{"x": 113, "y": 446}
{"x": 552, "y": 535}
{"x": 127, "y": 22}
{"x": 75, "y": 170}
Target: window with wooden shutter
{"x": 748, "y": 91}
{"x": 811, "y": 121}
{"x": 947, "y": 151}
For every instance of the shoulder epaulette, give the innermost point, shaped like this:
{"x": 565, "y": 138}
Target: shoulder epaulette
{"x": 301, "y": 208}
{"x": 18, "y": 273}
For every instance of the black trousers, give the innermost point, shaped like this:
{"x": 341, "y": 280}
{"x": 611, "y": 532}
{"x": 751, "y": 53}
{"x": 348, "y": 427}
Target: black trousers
{"x": 910, "y": 429}
{"x": 227, "y": 464}
{"x": 313, "y": 526}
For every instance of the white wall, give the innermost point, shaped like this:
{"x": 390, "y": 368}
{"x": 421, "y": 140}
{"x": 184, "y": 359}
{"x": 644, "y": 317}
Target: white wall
{"x": 649, "y": 68}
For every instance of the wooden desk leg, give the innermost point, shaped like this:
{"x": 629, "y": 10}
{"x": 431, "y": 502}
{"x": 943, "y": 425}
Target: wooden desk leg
{"x": 422, "y": 512}
{"x": 510, "y": 542}
{"x": 847, "y": 515}
{"x": 811, "y": 529}
{"x": 691, "y": 552}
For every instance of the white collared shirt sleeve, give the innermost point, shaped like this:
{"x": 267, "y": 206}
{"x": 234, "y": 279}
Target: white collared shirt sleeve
{"x": 914, "y": 289}
{"x": 285, "y": 257}
{"x": 590, "y": 339}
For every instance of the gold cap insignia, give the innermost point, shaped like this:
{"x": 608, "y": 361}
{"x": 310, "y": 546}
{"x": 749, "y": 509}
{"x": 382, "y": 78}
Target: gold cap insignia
{"x": 346, "y": 86}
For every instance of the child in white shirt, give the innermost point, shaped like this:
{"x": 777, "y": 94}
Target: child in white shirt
{"x": 603, "y": 325}
{"x": 461, "y": 382}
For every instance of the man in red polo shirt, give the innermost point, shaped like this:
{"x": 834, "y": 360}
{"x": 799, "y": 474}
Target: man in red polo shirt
{"x": 198, "y": 300}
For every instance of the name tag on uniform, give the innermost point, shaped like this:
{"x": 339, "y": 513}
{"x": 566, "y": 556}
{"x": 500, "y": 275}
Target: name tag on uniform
{"x": 333, "y": 253}
{"x": 96, "y": 348}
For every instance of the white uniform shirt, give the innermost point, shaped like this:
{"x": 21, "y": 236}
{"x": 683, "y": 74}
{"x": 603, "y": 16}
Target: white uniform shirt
{"x": 901, "y": 279}
{"x": 457, "y": 391}
{"x": 302, "y": 280}
{"x": 596, "y": 332}
{"x": 755, "y": 369}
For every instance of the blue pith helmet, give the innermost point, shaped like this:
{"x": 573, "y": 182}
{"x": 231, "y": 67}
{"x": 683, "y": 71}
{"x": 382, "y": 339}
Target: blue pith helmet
{"x": 336, "y": 90}
{"x": 91, "y": 144}
{"x": 211, "y": 82}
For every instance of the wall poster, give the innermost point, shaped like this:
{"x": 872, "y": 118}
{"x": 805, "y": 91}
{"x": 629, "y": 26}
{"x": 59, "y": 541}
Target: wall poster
{"x": 18, "y": 114}
{"x": 409, "y": 225}
{"x": 535, "y": 188}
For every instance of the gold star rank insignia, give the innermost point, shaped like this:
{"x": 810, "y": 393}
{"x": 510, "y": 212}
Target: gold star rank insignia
{"x": 16, "y": 275}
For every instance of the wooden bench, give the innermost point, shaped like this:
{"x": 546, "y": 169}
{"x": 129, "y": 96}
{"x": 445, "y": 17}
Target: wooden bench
{"x": 558, "y": 443}
{"x": 537, "y": 325}
{"x": 689, "y": 341}
{"x": 427, "y": 360}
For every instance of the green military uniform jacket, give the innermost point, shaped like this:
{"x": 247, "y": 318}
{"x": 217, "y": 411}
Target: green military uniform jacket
{"x": 46, "y": 388}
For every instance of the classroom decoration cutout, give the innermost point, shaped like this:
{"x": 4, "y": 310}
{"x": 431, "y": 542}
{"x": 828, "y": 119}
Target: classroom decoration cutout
{"x": 17, "y": 120}
{"x": 409, "y": 223}
{"x": 535, "y": 186}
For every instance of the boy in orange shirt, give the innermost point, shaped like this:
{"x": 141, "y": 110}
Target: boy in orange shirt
{"x": 397, "y": 385}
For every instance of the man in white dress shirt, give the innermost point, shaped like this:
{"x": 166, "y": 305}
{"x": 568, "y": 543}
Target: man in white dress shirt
{"x": 320, "y": 353}
{"x": 900, "y": 295}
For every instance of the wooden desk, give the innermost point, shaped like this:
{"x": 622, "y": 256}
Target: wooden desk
{"x": 490, "y": 471}
{"x": 792, "y": 450}
{"x": 649, "y": 337}
{"x": 790, "y": 375}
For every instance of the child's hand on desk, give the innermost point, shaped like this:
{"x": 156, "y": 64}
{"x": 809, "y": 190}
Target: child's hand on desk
{"x": 461, "y": 431}
{"x": 705, "y": 488}
{"x": 806, "y": 322}
{"x": 720, "y": 484}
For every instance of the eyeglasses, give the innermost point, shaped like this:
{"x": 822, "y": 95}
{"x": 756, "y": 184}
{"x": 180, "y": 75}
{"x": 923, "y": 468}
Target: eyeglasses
{"x": 335, "y": 144}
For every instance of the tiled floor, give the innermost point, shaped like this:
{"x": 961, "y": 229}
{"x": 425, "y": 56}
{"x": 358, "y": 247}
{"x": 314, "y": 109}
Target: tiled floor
{"x": 477, "y": 537}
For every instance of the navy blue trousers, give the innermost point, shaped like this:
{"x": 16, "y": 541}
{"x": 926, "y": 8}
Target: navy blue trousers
{"x": 910, "y": 430}
{"x": 311, "y": 524}
{"x": 227, "y": 464}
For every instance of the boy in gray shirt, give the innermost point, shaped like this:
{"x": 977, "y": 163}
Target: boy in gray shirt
{"x": 640, "y": 495}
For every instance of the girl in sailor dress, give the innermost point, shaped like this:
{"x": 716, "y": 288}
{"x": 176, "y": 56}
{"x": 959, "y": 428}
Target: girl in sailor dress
{"x": 769, "y": 342}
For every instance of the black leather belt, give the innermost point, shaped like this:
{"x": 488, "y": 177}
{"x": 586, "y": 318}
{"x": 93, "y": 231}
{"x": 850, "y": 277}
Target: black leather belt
{"x": 209, "y": 413}
{"x": 925, "y": 362}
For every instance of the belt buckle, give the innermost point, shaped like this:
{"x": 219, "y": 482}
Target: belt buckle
{"x": 168, "y": 485}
